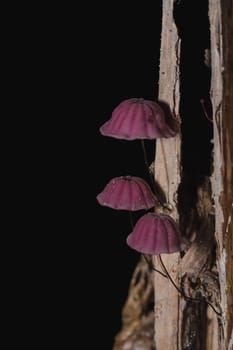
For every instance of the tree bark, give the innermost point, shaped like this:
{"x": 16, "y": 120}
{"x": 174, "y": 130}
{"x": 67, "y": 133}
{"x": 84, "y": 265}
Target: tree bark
{"x": 137, "y": 315}
{"x": 205, "y": 270}
{"x": 221, "y": 20}
{"x": 167, "y": 176}
{"x": 180, "y": 324}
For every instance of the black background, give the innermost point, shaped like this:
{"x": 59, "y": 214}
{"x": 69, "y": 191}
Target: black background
{"x": 123, "y": 63}
{"x": 92, "y": 59}
{"x": 109, "y": 55}
{"x": 74, "y": 66}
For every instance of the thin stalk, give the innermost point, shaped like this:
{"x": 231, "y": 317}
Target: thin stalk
{"x": 202, "y": 102}
{"x": 182, "y": 293}
{"x": 131, "y": 219}
{"x": 152, "y": 267}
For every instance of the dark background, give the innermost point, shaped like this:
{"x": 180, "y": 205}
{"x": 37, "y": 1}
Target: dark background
{"x": 125, "y": 65}
{"x": 92, "y": 59}
{"x": 78, "y": 65}
{"x": 102, "y": 61}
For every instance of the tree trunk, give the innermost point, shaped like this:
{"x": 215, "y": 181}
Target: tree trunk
{"x": 167, "y": 175}
{"x": 221, "y": 20}
{"x": 201, "y": 203}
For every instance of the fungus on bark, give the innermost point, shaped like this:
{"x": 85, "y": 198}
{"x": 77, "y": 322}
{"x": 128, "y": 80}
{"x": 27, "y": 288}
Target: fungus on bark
{"x": 127, "y": 193}
{"x": 155, "y": 234}
{"x": 137, "y": 118}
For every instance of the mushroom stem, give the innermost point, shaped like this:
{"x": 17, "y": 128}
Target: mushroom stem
{"x": 182, "y": 293}
{"x": 144, "y": 153}
{"x": 131, "y": 220}
{"x": 202, "y": 102}
{"x": 168, "y": 275}
{"x": 152, "y": 267}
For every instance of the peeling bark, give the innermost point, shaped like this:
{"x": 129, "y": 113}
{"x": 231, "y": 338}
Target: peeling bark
{"x": 167, "y": 175}
{"x": 221, "y": 19}
{"x": 205, "y": 214}
{"x": 137, "y": 314}
{"x": 181, "y": 324}
{"x": 199, "y": 275}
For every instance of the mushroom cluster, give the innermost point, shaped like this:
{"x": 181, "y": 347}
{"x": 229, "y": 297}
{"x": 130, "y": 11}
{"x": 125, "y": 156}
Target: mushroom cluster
{"x": 155, "y": 233}
{"x": 137, "y": 118}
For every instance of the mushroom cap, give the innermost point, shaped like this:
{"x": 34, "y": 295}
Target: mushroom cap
{"x": 155, "y": 234}
{"x": 127, "y": 193}
{"x": 136, "y": 118}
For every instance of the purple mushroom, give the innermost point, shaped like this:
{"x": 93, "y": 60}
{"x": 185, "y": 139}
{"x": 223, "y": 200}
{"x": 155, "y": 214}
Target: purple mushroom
{"x": 155, "y": 234}
{"x": 136, "y": 118}
{"x": 127, "y": 193}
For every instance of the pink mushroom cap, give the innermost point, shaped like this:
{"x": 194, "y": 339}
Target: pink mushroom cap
{"x": 155, "y": 234}
{"x": 136, "y": 118}
{"x": 127, "y": 193}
